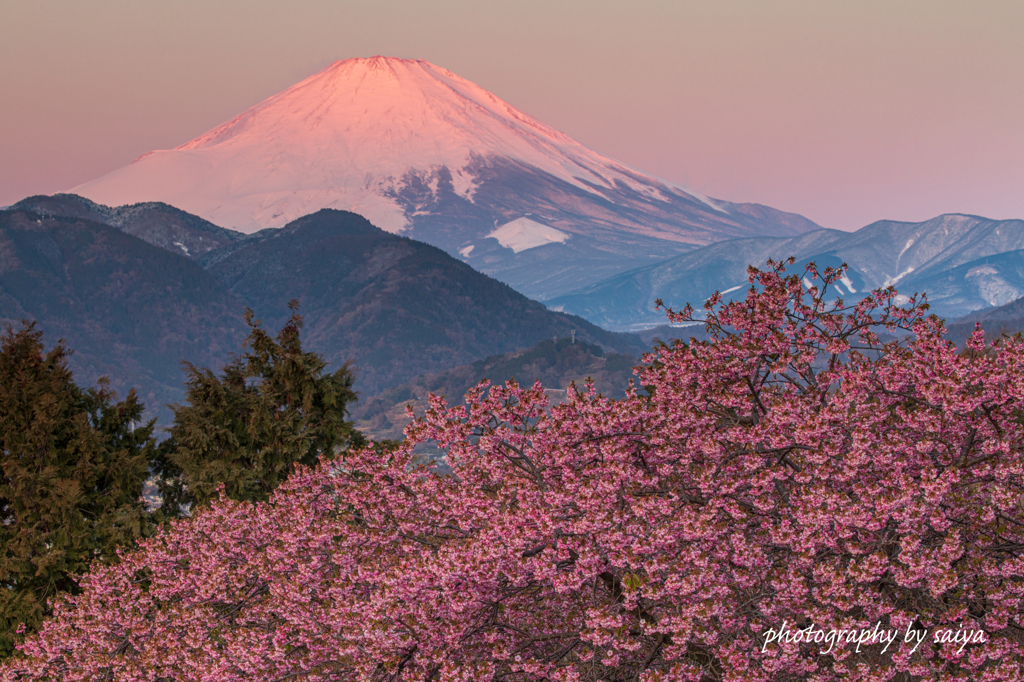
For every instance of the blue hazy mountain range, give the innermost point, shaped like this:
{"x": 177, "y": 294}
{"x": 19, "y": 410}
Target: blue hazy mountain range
{"x": 964, "y": 263}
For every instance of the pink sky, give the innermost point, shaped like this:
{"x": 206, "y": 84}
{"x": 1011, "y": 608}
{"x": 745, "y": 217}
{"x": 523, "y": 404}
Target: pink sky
{"x": 845, "y": 112}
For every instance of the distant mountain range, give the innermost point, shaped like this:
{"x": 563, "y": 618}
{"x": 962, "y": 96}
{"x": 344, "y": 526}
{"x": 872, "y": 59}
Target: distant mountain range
{"x": 132, "y": 307}
{"x": 136, "y": 289}
{"x": 423, "y": 153}
{"x": 964, "y": 263}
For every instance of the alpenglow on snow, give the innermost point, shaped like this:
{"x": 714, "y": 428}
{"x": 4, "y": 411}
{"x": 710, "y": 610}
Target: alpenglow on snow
{"x": 419, "y": 151}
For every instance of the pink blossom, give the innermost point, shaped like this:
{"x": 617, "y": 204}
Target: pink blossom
{"x": 793, "y": 469}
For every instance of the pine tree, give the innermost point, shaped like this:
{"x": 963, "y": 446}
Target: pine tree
{"x": 72, "y": 470}
{"x": 270, "y": 408}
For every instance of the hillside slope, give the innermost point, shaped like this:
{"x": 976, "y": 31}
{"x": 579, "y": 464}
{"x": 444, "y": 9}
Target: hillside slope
{"x": 129, "y": 310}
{"x": 395, "y": 307}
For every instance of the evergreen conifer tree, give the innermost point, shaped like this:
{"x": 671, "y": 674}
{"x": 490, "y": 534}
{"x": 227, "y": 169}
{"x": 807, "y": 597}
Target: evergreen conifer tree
{"x": 271, "y": 407}
{"x": 72, "y": 470}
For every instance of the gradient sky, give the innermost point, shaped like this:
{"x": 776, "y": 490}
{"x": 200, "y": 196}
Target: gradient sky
{"x": 844, "y": 111}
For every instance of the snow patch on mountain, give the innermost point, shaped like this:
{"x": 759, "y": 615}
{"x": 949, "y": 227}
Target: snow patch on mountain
{"x": 889, "y": 281}
{"x": 522, "y": 234}
{"x": 464, "y": 184}
{"x": 910, "y": 242}
{"x": 992, "y": 286}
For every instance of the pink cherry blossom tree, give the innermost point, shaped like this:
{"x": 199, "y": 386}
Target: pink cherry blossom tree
{"x": 793, "y": 471}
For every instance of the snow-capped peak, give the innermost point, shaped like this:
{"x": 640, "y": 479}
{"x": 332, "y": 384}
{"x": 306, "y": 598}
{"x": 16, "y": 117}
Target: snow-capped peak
{"x": 347, "y": 137}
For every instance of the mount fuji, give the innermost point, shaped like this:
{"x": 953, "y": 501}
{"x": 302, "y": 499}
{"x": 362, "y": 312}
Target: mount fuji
{"x": 421, "y": 152}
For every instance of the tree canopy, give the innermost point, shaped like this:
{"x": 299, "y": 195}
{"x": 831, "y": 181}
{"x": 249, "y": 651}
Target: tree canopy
{"x": 792, "y": 469}
{"x": 272, "y": 407}
{"x": 72, "y": 469}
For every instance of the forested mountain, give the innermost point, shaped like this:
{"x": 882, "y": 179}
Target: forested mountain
{"x": 1005, "y": 319}
{"x": 129, "y": 310}
{"x": 159, "y": 224}
{"x": 395, "y": 307}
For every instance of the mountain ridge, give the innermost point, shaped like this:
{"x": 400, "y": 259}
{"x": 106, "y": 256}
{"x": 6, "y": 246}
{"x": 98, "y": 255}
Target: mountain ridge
{"x": 945, "y": 256}
{"x": 422, "y": 152}
{"x": 133, "y": 310}
{"x": 554, "y": 362}
{"x": 398, "y": 295}
{"x": 157, "y": 223}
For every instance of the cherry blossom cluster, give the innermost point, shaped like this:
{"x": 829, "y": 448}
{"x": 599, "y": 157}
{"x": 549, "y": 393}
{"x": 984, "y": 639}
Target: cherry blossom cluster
{"x": 824, "y": 465}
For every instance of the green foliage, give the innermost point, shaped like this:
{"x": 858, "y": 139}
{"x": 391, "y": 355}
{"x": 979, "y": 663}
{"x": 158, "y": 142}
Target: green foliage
{"x": 73, "y": 469}
{"x": 272, "y": 407}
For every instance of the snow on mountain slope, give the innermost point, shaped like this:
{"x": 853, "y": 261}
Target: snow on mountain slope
{"x": 522, "y": 234}
{"x": 962, "y": 262}
{"x": 417, "y": 149}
